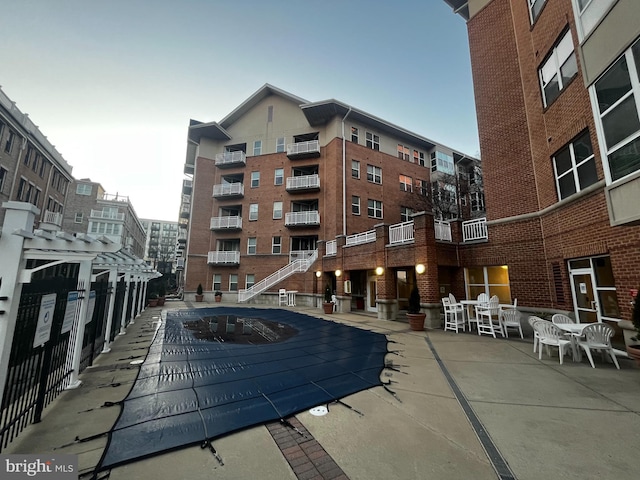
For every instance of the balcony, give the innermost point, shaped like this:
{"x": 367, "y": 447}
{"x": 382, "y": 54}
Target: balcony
{"x": 223, "y": 258}
{"x": 226, "y": 223}
{"x": 228, "y": 190}
{"x": 303, "y": 183}
{"x": 231, "y": 159}
{"x": 302, "y": 150}
{"x": 302, "y": 219}
{"x": 185, "y": 211}
{"x": 187, "y": 186}
{"x": 360, "y": 238}
{"x": 182, "y": 238}
{"x": 50, "y": 221}
{"x": 189, "y": 168}
{"x": 332, "y": 247}
{"x": 442, "y": 230}
{"x": 401, "y": 233}
{"x": 474, "y": 230}
{"x": 107, "y": 215}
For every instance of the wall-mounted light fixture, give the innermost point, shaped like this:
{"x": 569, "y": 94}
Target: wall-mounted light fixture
{"x": 318, "y": 274}
{"x": 338, "y": 272}
{"x": 420, "y": 269}
{"x": 379, "y": 271}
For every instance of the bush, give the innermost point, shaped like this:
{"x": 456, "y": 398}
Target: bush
{"x": 327, "y": 294}
{"x": 199, "y": 289}
{"x": 153, "y": 296}
{"x": 414, "y": 301}
{"x": 162, "y": 291}
{"x": 218, "y": 293}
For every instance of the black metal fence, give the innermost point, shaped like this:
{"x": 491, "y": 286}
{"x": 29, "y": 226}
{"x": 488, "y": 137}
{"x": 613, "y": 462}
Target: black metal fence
{"x": 94, "y": 331}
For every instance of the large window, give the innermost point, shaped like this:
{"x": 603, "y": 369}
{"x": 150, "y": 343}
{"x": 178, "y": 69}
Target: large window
{"x": 255, "y": 179}
{"x": 558, "y": 69}
{"x": 253, "y": 212}
{"x": 355, "y": 169}
{"x": 250, "y": 279}
{"x": 279, "y": 176}
{"x": 280, "y": 145}
{"x": 277, "y": 210}
{"x": 403, "y": 152}
{"x": 589, "y": 13}
{"x": 405, "y": 214}
{"x": 374, "y": 174}
{"x": 535, "y": 6}
{"x": 217, "y": 282}
{"x": 373, "y": 141}
{"x": 406, "y": 183}
{"x": 418, "y": 157}
{"x": 618, "y": 96}
{"x": 355, "y": 205}
{"x": 257, "y": 147}
{"x": 575, "y": 167}
{"x": 233, "y": 282}
{"x": 251, "y": 245}
{"x": 490, "y": 280}
{"x": 442, "y": 162}
{"x": 83, "y": 189}
{"x": 374, "y": 208}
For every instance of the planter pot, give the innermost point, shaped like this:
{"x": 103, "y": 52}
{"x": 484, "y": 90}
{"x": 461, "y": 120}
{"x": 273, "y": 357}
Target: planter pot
{"x": 416, "y": 321}
{"x": 327, "y": 307}
{"x": 153, "y": 302}
{"x": 218, "y": 298}
{"x": 634, "y": 352}
{"x": 199, "y": 297}
{"x": 160, "y": 301}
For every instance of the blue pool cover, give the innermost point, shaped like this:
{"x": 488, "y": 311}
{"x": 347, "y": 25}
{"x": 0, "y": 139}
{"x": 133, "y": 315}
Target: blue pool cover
{"x": 212, "y": 371}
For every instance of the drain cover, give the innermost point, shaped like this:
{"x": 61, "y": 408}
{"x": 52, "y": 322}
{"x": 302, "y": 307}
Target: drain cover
{"x": 319, "y": 411}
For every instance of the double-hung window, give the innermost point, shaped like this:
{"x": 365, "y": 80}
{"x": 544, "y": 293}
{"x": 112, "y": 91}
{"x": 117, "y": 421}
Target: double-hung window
{"x": 251, "y": 245}
{"x": 257, "y": 147}
{"x": 403, "y": 152}
{"x": 279, "y": 176}
{"x": 217, "y": 282}
{"x": 374, "y": 174}
{"x": 354, "y": 134}
{"x": 558, "y": 69}
{"x": 233, "y": 282}
{"x": 355, "y": 205}
{"x": 535, "y": 6}
{"x": 277, "y": 210}
{"x": 279, "y": 144}
{"x": 373, "y": 141}
{"x": 355, "y": 169}
{"x": 253, "y": 212}
{"x": 405, "y": 214}
{"x": 255, "y": 179}
{"x": 374, "y": 208}
{"x": 406, "y": 184}
{"x": 276, "y": 245}
{"x": 575, "y": 166}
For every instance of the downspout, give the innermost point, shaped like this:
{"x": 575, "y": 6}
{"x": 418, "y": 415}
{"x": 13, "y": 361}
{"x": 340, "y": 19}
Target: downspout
{"x": 344, "y": 177}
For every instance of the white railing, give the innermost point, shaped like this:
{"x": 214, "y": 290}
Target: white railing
{"x": 401, "y": 232}
{"x": 188, "y": 184}
{"x": 474, "y": 230}
{"x": 179, "y": 262}
{"x": 443, "y": 230}
{"x": 332, "y": 247}
{"x": 312, "y": 146}
{"x": 300, "y": 254}
{"x": 224, "y": 189}
{"x": 300, "y": 265}
{"x": 53, "y": 218}
{"x": 107, "y": 215}
{"x": 223, "y": 257}
{"x": 358, "y": 238}
{"x": 218, "y": 223}
{"x": 303, "y": 181}
{"x": 229, "y": 158}
{"x": 302, "y": 218}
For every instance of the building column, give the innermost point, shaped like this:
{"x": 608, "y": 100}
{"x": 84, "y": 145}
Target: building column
{"x": 386, "y": 298}
{"x": 426, "y": 254}
{"x": 84, "y": 286}
{"x": 18, "y": 217}
{"x": 113, "y": 284}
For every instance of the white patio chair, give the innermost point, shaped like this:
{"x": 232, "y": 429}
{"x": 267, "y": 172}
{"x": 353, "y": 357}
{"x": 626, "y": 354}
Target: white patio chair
{"x": 536, "y": 337}
{"x": 334, "y": 300}
{"x": 282, "y": 297}
{"x": 560, "y": 318}
{"x": 510, "y": 318}
{"x": 453, "y": 316}
{"x": 598, "y": 337}
{"x": 551, "y": 336}
{"x": 483, "y": 298}
{"x": 485, "y": 322}
{"x": 494, "y": 308}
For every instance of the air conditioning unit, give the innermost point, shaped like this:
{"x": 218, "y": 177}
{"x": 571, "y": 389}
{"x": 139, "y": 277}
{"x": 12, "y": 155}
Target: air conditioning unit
{"x": 347, "y": 286}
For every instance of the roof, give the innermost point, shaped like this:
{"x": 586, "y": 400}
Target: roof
{"x": 461, "y": 7}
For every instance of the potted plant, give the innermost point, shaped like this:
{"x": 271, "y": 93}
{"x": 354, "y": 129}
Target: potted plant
{"x": 633, "y": 347}
{"x": 153, "y": 299}
{"x": 327, "y": 306}
{"x": 161, "y": 294}
{"x": 218, "y": 296}
{"x": 414, "y": 315}
{"x": 199, "y": 295}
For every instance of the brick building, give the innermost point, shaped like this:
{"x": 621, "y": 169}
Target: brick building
{"x": 558, "y": 101}
{"x": 160, "y": 244}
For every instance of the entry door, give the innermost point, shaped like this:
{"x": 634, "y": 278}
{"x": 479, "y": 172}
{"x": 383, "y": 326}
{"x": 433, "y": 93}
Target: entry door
{"x": 372, "y": 292}
{"x": 585, "y": 302}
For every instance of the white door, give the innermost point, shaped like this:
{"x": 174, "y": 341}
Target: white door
{"x": 585, "y": 301}
{"x": 372, "y": 293}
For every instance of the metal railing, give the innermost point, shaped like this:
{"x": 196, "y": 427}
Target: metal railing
{"x": 359, "y": 238}
{"x": 223, "y": 257}
{"x": 474, "y": 230}
{"x": 230, "y": 158}
{"x": 107, "y": 215}
{"x": 300, "y": 265}
{"x": 442, "y": 230}
{"x": 219, "y": 223}
{"x": 54, "y": 218}
{"x": 303, "y": 181}
{"x": 302, "y": 218}
{"x": 225, "y": 189}
{"x": 401, "y": 232}
{"x": 300, "y": 254}
{"x": 312, "y": 146}
{"x": 332, "y": 247}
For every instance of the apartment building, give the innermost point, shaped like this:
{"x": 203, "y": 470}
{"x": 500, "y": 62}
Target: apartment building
{"x": 31, "y": 169}
{"x": 280, "y": 178}
{"x": 160, "y": 244}
{"x": 558, "y": 101}
{"x": 93, "y": 211}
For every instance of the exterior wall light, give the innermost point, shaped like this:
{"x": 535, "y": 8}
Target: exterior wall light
{"x": 318, "y": 274}
{"x": 420, "y": 269}
{"x": 379, "y": 271}
{"x": 338, "y": 272}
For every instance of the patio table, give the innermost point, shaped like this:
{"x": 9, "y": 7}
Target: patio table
{"x": 575, "y": 329}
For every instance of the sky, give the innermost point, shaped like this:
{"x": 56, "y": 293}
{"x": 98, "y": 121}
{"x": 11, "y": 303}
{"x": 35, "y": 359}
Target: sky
{"x": 114, "y": 84}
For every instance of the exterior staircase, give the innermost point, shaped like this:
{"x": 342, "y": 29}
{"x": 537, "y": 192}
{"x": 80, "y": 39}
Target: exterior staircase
{"x": 296, "y": 266}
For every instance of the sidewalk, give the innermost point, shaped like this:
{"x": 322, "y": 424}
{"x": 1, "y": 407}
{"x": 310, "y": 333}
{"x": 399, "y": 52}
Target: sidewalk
{"x": 535, "y": 419}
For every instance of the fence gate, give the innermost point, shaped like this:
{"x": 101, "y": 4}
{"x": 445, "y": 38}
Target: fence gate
{"x": 94, "y": 330}
{"x": 36, "y": 375}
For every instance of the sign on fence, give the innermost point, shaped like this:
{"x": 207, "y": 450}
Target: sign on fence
{"x": 91, "y": 306}
{"x": 70, "y": 312}
{"x": 45, "y": 319}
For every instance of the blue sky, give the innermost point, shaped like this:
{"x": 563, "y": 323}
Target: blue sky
{"x": 114, "y": 84}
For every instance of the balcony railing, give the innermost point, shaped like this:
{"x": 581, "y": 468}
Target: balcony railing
{"x": 474, "y": 230}
{"x": 332, "y": 247}
{"x": 304, "y": 149}
{"x": 226, "y": 223}
{"x": 443, "y": 230}
{"x": 187, "y": 186}
{"x": 107, "y": 215}
{"x": 217, "y": 258}
{"x": 401, "y": 232}
{"x": 54, "y": 218}
{"x": 228, "y": 190}
{"x": 231, "y": 159}
{"x": 302, "y": 218}
{"x": 304, "y": 182}
{"x": 300, "y": 255}
{"x": 359, "y": 238}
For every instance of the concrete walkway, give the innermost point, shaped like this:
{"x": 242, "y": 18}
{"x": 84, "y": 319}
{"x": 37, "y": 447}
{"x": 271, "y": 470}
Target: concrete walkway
{"x": 466, "y": 407}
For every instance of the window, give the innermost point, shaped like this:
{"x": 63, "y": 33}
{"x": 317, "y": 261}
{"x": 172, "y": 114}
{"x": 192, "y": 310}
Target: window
{"x": 250, "y": 279}
{"x": 276, "y": 245}
{"x": 27, "y": 157}
{"x": 355, "y": 169}
{"x": 79, "y": 217}
{"x": 257, "y": 147}
{"x": 535, "y": 6}
{"x": 355, "y": 205}
{"x": 490, "y": 280}
{"x": 442, "y": 162}
{"x": 403, "y": 152}
{"x": 354, "y": 134}
{"x": 3, "y": 177}
{"x": 9, "y": 145}
{"x": 255, "y": 179}
{"x": 277, "y": 210}
{"x": 43, "y": 168}
{"x": 83, "y": 189}
{"x": 406, "y": 184}
{"x": 217, "y": 282}
{"x": 233, "y": 282}
{"x": 589, "y": 13}
{"x": 559, "y": 68}
{"x": 373, "y": 141}
{"x": 374, "y": 174}
{"x": 36, "y": 196}
{"x": 422, "y": 187}
{"x": 251, "y": 245}
{"x": 618, "y": 109}
{"x": 374, "y": 209}
{"x": 279, "y": 176}
{"x": 279, "y": 144}
{"x": 22, "y": 190}
{"x": 253, "y": 212}
{"x": 36, "y": 160}
{"x": 575, "y": 167}
{"x": 477, "y": 201}
{"x": 405, "y": 214}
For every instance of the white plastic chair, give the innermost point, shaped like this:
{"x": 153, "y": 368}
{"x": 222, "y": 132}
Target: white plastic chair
{"x": 483, "y": 298}
{"x": 282, "y": 297}
{"x": 550, "y": 335}
{"x": 598, "y": 337}
{"x": 560, "y": 318}
{"x": 510, "y": 318}
{"x": 536, "y": 337}
{"x": 334, "y": 300}
{"x": 453, "y": 316}
{"x": 485, "y": 322}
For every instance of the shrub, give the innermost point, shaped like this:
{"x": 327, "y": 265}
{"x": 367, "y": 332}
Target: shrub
{"x": 414, "y": 301}
{"x": 327, "y": 294}
{"x": 199, "y": 289}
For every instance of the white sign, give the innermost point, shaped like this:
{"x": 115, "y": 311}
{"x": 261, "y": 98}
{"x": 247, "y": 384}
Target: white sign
{"x": 70, "y": 312}
{"x": 91, "y": 306}
{"x": 45, "y": 319}
{"x": 583, "y": 288}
